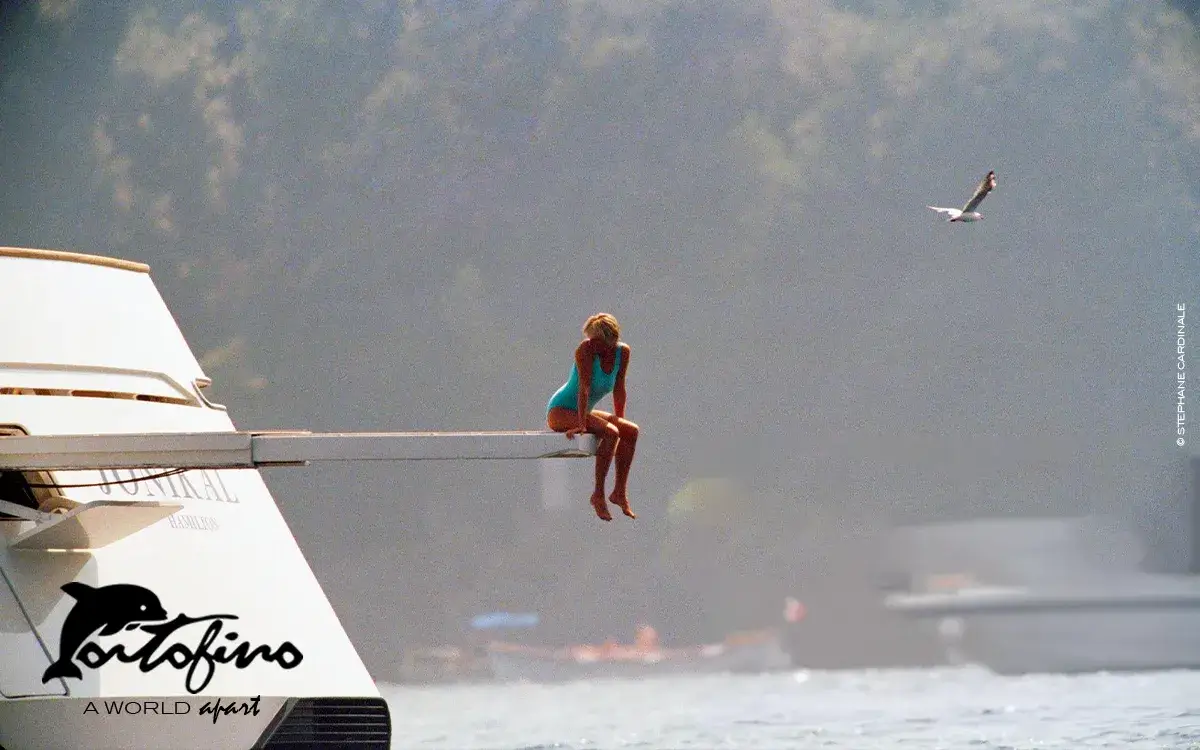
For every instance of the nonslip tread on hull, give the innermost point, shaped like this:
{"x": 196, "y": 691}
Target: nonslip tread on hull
{"x": 360, "y": 723}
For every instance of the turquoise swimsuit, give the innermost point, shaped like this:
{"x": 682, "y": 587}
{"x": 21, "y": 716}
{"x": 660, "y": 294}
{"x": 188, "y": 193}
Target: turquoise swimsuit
{"x": 602, "y": 385}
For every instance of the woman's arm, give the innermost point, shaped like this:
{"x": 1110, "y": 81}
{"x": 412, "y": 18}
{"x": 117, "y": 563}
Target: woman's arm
{"x": 619, "y": 387}
{"x": 583, "y": 363}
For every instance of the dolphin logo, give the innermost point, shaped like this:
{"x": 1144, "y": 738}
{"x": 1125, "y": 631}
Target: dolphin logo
{"x": 107, "y": 609}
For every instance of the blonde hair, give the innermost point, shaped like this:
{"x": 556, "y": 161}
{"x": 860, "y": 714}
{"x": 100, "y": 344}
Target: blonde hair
{"x": 604, "y": 326}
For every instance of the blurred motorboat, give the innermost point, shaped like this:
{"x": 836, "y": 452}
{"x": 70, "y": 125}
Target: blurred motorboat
{"x": 748, "y": 651}
{"x": 443, "y": 664}
{"x": 1053, "y": 595}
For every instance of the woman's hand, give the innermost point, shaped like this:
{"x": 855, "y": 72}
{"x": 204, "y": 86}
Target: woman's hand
{"x": 581, "y": 429}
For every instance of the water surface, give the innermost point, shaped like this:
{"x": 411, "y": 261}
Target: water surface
{"x": 944, "y": 709}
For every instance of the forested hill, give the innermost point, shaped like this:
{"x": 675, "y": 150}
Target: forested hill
{"x": 397, "y": 215}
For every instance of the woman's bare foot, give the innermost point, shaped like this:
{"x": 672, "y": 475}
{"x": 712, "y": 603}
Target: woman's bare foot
{"x": 621, "y": 502}
{"x": 600, "y": 508}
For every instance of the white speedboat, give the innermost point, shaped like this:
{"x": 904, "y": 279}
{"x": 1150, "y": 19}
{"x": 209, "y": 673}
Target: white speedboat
{"x": 1066, "y": 595}
{"x": 151, "y": 592}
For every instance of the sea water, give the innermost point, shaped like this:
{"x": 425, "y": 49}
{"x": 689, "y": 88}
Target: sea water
{"x": 949, "y": 709}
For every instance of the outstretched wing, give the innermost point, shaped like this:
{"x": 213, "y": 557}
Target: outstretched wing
{"x": 981, "y": 192}
{"x": 952, "y": 212}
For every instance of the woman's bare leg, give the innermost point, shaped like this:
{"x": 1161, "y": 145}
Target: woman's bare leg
{"x": 561, "y": 420}
{"x": 626, "y": 445}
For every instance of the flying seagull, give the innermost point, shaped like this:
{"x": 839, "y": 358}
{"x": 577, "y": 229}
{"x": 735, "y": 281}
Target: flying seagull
{"x": 968, "y": 212}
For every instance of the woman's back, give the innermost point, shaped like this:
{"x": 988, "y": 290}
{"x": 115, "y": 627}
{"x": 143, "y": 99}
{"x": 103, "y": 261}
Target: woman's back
{"x": 602, "y": 383}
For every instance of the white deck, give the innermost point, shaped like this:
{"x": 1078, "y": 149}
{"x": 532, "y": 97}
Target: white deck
{"x": 94, "y": 525}
{"x": 248, "y": 450}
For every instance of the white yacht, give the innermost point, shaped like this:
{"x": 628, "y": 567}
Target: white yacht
{"x": 1059, "y": 595}
{"x": 151, "y": 592}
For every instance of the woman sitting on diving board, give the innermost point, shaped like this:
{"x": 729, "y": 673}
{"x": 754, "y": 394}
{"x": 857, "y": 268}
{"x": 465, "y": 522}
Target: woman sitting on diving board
{"x": 601, "y": 361}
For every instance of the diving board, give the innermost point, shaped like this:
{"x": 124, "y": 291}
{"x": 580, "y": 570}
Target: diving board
{"x": 250, "y": 450}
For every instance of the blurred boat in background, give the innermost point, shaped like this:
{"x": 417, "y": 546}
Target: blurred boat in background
{"x": 1052, "y": 595}
{"x": 748, "y": 651}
